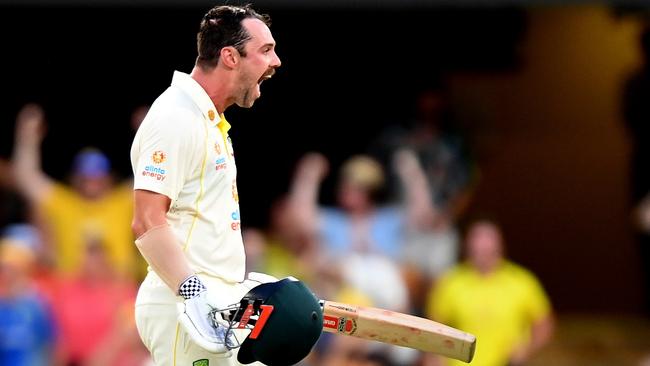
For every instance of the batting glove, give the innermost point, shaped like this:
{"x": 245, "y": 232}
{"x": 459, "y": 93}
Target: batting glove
{"x": 196, "y": 316}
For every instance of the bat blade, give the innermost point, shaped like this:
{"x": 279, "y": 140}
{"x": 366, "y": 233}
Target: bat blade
{"x": 399, "y": 329}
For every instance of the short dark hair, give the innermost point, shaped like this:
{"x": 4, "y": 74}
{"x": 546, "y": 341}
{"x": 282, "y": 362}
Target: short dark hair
{"x": 221, "y": 27}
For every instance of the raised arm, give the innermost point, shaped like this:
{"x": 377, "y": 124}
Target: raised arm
{"x": 30, "y": 179}
{"x": 303, "y": 194}
{"x": 419, "y": 203}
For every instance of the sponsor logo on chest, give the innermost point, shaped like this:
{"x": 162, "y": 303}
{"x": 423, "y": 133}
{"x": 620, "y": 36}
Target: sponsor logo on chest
{"x": 220, "y": 163}
{"x": 236, "y": 223}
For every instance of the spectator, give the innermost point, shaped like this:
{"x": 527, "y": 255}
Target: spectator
{"x": 284, "y": 250}
{"x": 281, "y": 249}
{"x": 443, "y": 157}
{"x": 500, "y": 302}
{"x": 360, "y": 237}
{"x": 359, "y": 222}
{"x": 91, "y": 208}
{"x": 27, "y": 328}
{"x": 357, "y": 228}
{"x": 95, "y": 301}
{"x": 441, "y": 151}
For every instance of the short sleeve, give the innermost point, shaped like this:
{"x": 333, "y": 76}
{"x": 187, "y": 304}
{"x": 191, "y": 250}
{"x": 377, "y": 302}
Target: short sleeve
{"x": 163, "y": 151}
{"x": 538, "y": 305}
{"x": 440, "y": 300}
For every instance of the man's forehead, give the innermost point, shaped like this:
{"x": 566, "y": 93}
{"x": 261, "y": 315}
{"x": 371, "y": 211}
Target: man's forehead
{"x": 258, "y": 31}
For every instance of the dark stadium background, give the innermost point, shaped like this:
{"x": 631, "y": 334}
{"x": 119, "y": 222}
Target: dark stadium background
{"x": 347, "y": 72}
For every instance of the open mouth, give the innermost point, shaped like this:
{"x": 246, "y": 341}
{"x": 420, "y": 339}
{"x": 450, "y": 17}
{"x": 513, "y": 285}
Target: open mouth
{"x": 266, "y": 76}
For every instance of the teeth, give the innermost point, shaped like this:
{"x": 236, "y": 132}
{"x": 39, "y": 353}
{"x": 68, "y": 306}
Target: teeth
{"x": 264, "y": 77}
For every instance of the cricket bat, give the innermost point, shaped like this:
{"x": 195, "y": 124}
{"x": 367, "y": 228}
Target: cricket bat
{"x": 399, "y": 329}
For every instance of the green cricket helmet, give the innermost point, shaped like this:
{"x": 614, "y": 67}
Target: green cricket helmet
{"x": 287, "y": 321}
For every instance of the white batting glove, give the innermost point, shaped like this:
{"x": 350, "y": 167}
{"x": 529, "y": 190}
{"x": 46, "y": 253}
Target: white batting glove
{"x": 195, "y": 316}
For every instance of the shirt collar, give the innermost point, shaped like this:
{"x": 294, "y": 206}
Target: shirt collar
{"x": 223, "y": 125}
{"x": 198, "y": 95}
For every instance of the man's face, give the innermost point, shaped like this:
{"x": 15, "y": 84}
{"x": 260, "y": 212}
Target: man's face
{"x": 91, "y": 187}
{"x": 353, "y": 197}
{"x": 258, "y": 65}
{"x": 484, "y": 246}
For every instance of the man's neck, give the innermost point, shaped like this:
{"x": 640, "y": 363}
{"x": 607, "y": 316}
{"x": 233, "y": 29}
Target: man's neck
{"x": 213, "y": 83}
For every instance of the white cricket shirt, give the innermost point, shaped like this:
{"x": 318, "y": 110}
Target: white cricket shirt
{"x": 182, "y": 150}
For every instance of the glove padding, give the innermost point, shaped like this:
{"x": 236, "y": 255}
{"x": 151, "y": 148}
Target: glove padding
{"x": 196, "y": 316}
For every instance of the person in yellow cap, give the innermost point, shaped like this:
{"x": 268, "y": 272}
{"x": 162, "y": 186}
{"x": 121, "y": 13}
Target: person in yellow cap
{"x": 360, "y": 236}
{"x": 186, "y": 216}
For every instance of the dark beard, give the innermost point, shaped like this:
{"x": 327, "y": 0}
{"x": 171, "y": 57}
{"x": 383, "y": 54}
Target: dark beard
{"x": 246, "y": 100}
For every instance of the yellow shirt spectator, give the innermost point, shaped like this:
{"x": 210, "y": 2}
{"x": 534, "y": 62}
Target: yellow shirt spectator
{"x": 499, "y": 308}
{"x": 89, "y": 209}
{"x": 73, "y": 220}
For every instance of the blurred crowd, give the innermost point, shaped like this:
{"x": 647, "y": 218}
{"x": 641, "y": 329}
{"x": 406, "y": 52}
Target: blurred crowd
{"x": 398, "y": 236}
{"x": 68, "y": 266}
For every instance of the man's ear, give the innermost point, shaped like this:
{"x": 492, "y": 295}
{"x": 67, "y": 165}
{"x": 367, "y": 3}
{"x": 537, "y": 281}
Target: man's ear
{"x": 230, "y": 57}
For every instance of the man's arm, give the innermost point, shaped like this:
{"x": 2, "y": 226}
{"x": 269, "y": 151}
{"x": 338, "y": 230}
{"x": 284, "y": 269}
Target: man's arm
{"x": 156, "y": 240}
{"x": 541, "y": 334}
{"x": 29, "y": 177}
{"x": 159, "y": 246}
{"x": 303, "y": 193}
{"x": 538, "y": 309}
{"x": 419, "y": 204}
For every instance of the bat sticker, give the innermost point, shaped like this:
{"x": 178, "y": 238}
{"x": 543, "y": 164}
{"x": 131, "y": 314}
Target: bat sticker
{"x": 341, "y": 325}
{"x": 330, "y": 322}
{"x": 344, "y": 308}
{"x": 350, "y": 326}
